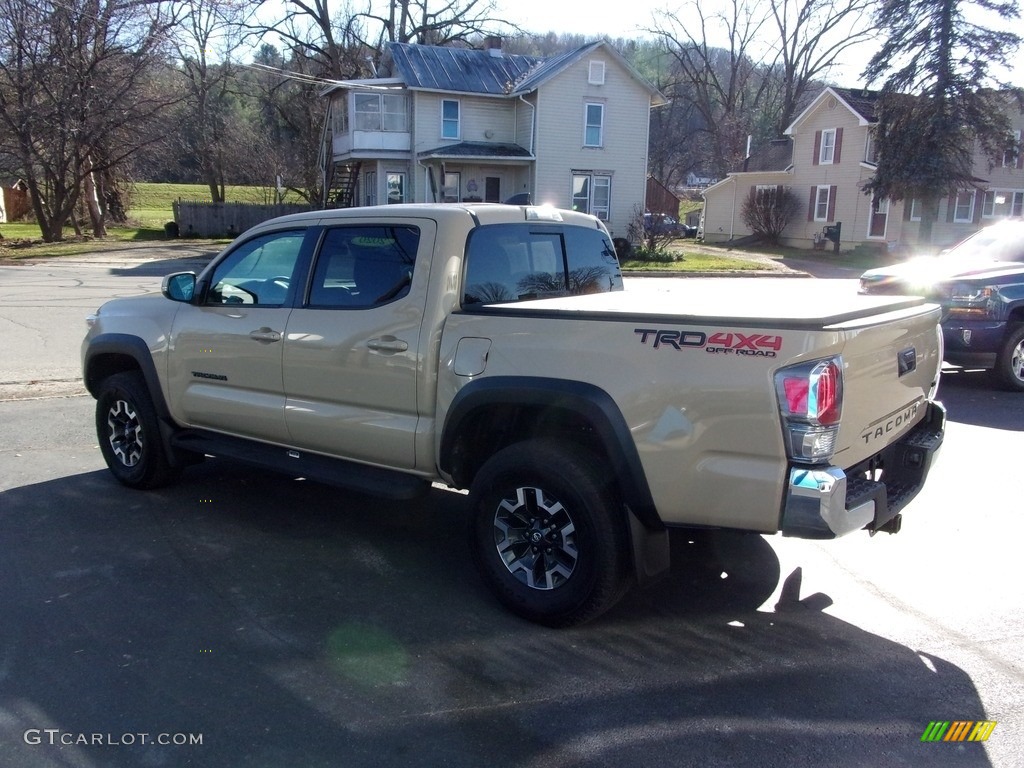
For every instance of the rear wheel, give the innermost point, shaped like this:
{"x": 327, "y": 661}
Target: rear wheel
{"x": 129, "y": 433}
{"x": 548, "y": 533}
{"x": 1010, "y": 361}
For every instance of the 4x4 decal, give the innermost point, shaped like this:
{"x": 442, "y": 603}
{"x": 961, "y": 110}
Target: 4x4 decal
{"x": 728, "y": 343}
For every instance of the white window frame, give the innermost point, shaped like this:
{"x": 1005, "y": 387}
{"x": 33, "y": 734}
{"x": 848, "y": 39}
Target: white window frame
{"x": 451, "y": 180}
{"x": 588, "y": 127}
{"x": 595, "y": 73}
{"x": 969, "y": 197}
{"x": 402, "y": 178}
{"x": 915, "y": 209}
{"x": 827, "y": 151}
{"x": 596, "y": 196}
{"x": 1012, "y": 203}
{"x": 821, "y": 204}
{"x": 449, "y": 122}
{"x": 390, "y": 114}
{"x": 339, "y": 115}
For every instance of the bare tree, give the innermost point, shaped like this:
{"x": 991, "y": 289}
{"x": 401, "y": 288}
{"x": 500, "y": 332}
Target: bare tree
{"x": 768, "y": 211}
{"x": 812, "y": 36}
{"x": 210, "y": 33}
{"x": 716, "y": 70}
{"x": 77, "y": 95}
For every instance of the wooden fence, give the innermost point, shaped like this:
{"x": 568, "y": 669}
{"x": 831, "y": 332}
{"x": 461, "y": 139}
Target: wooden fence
{"x": 197, "y": 219}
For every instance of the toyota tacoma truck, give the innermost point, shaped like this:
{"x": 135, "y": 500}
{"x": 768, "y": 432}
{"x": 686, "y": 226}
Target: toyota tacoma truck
{"x": 494, "y": 348}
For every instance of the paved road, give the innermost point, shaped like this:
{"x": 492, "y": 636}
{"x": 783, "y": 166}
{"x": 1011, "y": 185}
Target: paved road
{"x": 287, "y": 623}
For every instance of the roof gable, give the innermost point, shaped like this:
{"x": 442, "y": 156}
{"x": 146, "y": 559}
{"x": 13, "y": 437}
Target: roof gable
{"x": 859, "y": 101}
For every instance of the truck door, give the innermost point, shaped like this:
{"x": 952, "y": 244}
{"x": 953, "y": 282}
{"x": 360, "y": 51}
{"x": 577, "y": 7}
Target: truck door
{"x": 352, "y": 349}
{"x": 225, "y": 354}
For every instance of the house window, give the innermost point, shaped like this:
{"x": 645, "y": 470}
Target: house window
{"x": 1000, "y": 203}
{"x": 596, "y": 74}
{"x": 823, "y": 203}
{"x": 370, "y": 188}
{"x": 396, "y": 188}
{"x": 380, "y": 112}
{"x": 593, "y": 134}
{"x": 915, "y": 209}
{"x": 339, "y": 115}
{"x": 450, "y": 119}
{"x": 592, "y": 193}
{"x": 452, "y": 185}
{"x": 963, "y": 211}
{"x": 827, "y": 153}
{"x": 870, "y": 150}
{"x": 1011, "y": 156}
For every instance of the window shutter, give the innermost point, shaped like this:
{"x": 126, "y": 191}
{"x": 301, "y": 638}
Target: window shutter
{"x": 950, "y": 208}
{"x": 1020, "y": 154}
{"x": 817, "y": 148}
{"x": 832, "y": 202}
{"x": 979, "y": 206}
{"x": 908, "y": 205}
{"x": 839, "y": 145}
{"x": 814, "y": 199}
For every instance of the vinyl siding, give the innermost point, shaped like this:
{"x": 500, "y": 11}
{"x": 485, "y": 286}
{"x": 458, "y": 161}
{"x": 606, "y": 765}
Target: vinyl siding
{"x": 623, "y": 156}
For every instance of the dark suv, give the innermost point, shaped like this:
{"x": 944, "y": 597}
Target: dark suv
{"x": 980, "y": 284}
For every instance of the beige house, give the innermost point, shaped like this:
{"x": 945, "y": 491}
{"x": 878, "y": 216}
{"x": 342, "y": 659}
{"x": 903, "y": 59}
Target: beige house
{"x": 827, "y": 158}
{"x": 456, "y": 124}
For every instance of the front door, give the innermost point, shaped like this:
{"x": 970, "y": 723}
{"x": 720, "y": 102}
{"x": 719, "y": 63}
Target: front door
{"x": 352, "y": 350}
{"x": 879, "y": 217}
{"x": 225, "y": 355}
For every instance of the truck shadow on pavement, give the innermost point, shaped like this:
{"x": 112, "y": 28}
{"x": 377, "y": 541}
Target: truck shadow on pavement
{"x": 289, "y": 623}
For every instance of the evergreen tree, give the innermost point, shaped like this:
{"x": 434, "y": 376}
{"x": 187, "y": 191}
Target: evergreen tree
{"x": 940, "y": 100}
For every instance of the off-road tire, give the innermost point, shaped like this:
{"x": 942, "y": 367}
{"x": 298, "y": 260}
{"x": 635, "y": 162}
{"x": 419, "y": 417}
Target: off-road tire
{"x": 548, "y": 532}
{"x": 129, "y": 433}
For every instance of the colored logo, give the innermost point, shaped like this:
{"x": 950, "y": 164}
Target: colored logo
{"x": 958, "y": 730}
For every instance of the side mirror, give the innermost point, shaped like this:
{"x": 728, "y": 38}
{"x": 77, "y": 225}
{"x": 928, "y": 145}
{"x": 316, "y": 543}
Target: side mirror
{"x": 181, "y": 286}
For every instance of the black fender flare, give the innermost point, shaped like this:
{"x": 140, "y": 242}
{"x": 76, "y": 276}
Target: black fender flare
{"x": 649, "y": 536}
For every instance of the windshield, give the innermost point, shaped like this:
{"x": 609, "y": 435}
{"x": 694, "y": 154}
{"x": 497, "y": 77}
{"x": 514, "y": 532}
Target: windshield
{"x": 999, "y": 242}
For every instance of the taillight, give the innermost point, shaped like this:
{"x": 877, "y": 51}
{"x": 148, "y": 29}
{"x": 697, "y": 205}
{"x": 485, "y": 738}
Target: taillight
{"x": 811, "y": 402}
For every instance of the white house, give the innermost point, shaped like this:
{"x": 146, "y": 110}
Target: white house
{"x": 450, "y": 124}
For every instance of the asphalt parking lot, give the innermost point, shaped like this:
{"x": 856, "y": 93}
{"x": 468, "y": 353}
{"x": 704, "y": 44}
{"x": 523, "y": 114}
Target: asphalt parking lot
{"x": 244, "y": 619}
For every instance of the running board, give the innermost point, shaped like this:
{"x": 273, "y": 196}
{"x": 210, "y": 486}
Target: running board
{"x": 362, "y": 478}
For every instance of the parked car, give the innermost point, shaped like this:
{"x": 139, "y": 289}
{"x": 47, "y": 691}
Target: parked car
{"x": 664, "y": 224}
{"x": 980, "y": 284}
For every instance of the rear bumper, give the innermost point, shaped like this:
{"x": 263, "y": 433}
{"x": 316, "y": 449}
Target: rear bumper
{"x": 826, "y": 502}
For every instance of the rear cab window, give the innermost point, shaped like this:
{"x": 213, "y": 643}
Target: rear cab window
{"x": 524, "y": 261}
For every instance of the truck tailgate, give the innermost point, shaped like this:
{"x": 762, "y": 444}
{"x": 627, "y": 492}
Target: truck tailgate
{"x": 891, "y": 366}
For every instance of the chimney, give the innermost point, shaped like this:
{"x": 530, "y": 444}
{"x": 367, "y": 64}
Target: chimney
{"x": 492, "y": 44}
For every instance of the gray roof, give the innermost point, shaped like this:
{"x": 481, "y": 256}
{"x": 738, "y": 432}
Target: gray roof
{"x": 478, "y": 149}
{"x": 860, "y": 100}
{"x": 458, "y": 70}
{"x": 776, "y": 155}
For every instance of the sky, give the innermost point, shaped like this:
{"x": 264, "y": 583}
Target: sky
{"x": 631, "y": 19}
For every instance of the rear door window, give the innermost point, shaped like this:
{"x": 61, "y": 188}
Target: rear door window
{"x": 519, "y": 262}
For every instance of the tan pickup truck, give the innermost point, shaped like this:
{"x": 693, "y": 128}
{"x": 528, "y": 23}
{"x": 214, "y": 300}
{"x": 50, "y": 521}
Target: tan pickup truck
{"x": 494, "y": 348}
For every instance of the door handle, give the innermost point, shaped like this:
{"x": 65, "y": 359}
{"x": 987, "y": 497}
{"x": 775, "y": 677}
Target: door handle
{"x": 265, "y": 334}
{"x": 387, "y": 344}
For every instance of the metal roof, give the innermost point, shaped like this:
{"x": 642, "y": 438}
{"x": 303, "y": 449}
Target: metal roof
{"x": 459, "y": 70}
{"x": 466, "y": 149}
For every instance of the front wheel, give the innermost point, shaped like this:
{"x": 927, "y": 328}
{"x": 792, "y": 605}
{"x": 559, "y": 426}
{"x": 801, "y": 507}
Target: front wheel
{"x": 548, "y": 533}
{"x": 1010, "y": 361}
{"x": 129, "y": 433}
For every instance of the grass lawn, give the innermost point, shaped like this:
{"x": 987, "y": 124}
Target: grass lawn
{"x": 150, "y": 207}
